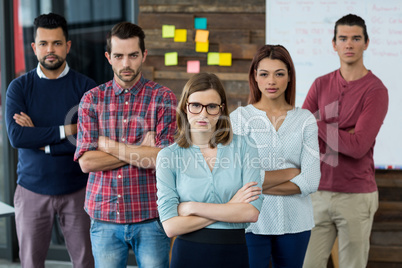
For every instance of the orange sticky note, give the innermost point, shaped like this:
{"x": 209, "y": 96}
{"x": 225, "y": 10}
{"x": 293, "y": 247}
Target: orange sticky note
{"x": 225, "y": 59}
{"x": 202, "y": 46}
{"x": 201, "y": 36}
{"x": 193, "y": 66}
{"x": 180, "y": 35}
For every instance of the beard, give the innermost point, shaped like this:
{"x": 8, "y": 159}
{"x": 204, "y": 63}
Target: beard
{"x": 130, "y": 78}
{"x": 53, "y": 65}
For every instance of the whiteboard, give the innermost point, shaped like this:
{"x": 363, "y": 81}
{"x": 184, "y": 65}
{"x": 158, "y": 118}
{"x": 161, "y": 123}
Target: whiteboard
{"x": 306, "y": 29}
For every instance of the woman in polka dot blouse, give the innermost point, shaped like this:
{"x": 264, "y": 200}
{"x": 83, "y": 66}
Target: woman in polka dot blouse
{"x": 287, "y": 138}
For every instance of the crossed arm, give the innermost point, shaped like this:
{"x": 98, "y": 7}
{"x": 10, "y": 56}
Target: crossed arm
{"x": 24, "y": 120}
{"x": 196, "y": 215}
{"x": 112, "y": 154}
{"x": 277, "y": 182}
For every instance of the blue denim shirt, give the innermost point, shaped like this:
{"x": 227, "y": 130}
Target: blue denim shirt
{"x": 183, "y": 175}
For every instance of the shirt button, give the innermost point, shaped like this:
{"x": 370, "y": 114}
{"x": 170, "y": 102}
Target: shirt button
{"x": 126, "y": 102}
{"x": 119, "y": 196}
{"x": 119, "y": 176}
{"x": 118, "y": 213}
{"x": 123, "y": 139}
{"x": 126, "y": 90}
{"x": 125, "y": 121}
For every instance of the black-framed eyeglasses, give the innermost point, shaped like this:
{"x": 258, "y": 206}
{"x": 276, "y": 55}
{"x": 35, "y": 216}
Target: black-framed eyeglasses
{"x": 211, "y": 108}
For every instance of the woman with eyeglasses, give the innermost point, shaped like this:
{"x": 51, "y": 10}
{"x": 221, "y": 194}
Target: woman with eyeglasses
{"x": 208, "y": 181}
{"x": 288, "y": 148}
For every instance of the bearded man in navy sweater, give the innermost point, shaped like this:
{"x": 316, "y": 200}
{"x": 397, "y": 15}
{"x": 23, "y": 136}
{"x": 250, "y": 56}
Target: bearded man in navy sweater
{"x": 50, "y": 183}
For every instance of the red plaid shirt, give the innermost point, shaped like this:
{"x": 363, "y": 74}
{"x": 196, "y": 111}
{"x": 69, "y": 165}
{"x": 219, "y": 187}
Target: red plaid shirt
{"x": 126, "y": 194}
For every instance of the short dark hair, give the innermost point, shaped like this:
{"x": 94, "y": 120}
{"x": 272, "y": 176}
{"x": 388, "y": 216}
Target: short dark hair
{"x": 351, "y": 20}
{"x": 50, "y": 21}
{"x": 273, "y": 52}
{"x": 125, "y": 30}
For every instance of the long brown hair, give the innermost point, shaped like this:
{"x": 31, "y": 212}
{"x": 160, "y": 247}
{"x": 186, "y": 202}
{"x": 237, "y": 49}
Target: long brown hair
{"x": 273, "y": 52}
{"x": 223, "y": 130}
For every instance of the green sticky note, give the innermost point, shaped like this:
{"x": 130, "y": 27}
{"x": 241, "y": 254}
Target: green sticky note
{"x": 168, "y": 31}
{"x": 200, "y": 23}
{"x": 225, "y": 59}
{"x": 171, "y": 58}
{"x": 180, "y": 35}
{"x": 213, "y": 58}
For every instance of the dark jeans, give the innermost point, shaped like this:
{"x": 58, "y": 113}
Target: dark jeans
{"x": 286, "y": 250}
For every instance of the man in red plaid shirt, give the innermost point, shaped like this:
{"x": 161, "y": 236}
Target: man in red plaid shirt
{"x": 122, "y": 125}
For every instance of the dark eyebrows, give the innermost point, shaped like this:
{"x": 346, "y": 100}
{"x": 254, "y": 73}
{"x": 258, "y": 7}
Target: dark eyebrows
{"x": 130, "y": 54}
{"x": 54, "y": 41}
{"x": 262, "y": 70}
{"x": 355, "y": 36}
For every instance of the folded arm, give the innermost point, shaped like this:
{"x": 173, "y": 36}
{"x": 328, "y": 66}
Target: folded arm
{"x": 185, "y": 223}
{"x": 93, "y": 161}
{"x": 357, "y": 143}
{"x": 278, "y": 177}
{"x": 143, "y": 155}
{"x": 286, "y": 188}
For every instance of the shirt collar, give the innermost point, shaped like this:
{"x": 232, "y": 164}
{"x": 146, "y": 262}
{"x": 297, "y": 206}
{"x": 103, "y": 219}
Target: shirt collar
{"x": 42, "y": 75}
{"x": 133, "y": 90}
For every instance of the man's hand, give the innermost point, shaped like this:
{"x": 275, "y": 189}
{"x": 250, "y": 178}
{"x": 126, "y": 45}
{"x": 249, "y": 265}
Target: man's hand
{"x": 23, "y": 120}
{"x": 249, "y": 192}
{"x": 149, "y": 139}
{"x": 104, "y": 144}
{"x": 70, "y": 129}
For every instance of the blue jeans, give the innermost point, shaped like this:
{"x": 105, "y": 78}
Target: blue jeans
{"x": 111, "y": 242}
{"x": 287, "y": 250}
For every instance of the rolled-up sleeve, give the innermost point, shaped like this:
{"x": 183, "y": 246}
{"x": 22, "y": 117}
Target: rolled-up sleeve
{"x": 168, "y": 198}
{"x": 252, "y": 171}
{"x": 88, "y": 129}
{"x": 309, "y": 177}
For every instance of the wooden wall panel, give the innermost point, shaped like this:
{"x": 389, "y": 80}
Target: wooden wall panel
{"x": 234, "y": 27}
{"x": 239, "y": 28}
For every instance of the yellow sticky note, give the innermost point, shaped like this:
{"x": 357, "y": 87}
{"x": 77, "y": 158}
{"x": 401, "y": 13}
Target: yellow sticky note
{"x": 201, "y": 36}
{"x": 213, "y": 58}
{"x": 171, "y": 58}
{"x": 168, "y": 31}
{"x": 193, "y": 66}
{"x": 225, "y": 59}
{"x": 180, "y": 35}
{"x": 201, "y": 46}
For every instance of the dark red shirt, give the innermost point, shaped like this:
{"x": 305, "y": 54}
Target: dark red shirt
{"x": 347, "y": 163}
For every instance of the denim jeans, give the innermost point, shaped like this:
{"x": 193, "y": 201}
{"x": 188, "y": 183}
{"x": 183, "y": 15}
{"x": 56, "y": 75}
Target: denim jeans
{"x": 111, "y": 243}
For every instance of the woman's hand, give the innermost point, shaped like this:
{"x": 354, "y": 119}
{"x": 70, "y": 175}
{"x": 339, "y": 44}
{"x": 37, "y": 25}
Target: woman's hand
{"x": 246, "y": 194}
{"x": 184, "y": 209}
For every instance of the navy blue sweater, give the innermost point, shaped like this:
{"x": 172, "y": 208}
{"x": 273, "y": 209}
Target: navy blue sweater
{"x": 50, "y": 103}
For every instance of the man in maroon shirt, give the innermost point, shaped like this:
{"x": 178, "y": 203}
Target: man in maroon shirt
{"x": 350, "y": 105}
